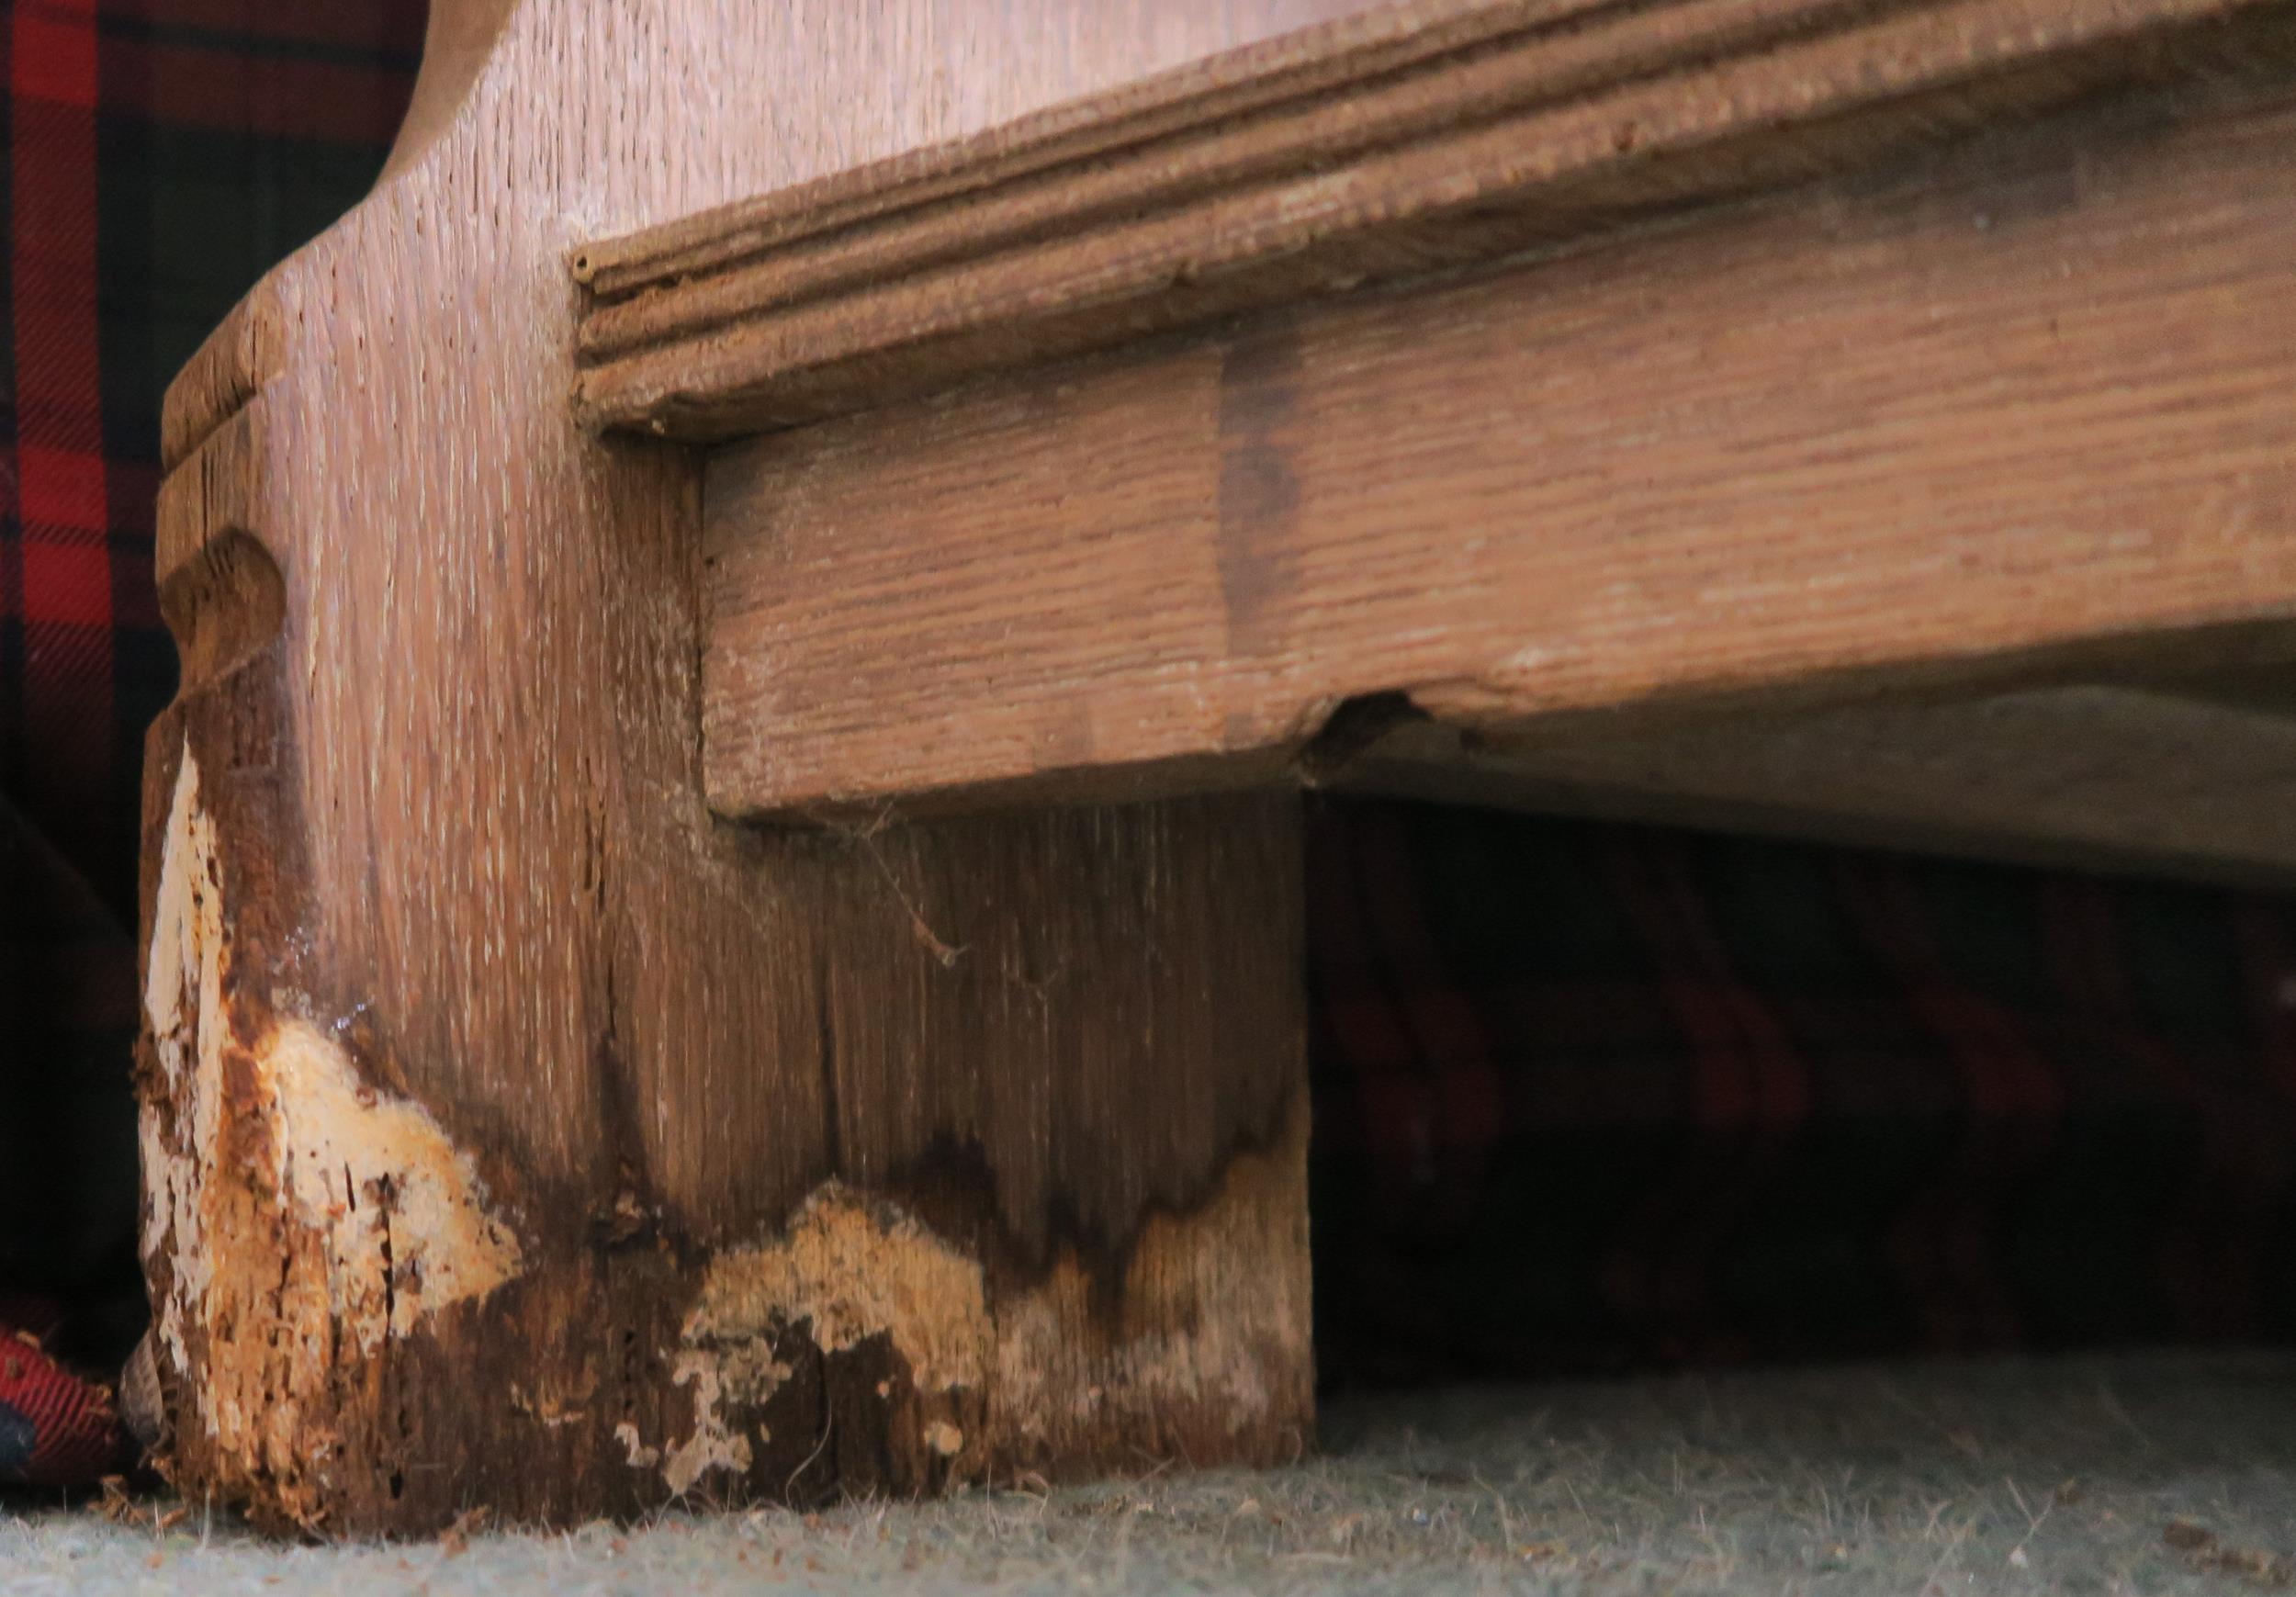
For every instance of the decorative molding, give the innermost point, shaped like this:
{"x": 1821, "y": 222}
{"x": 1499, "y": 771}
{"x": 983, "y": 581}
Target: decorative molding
{"x": 1416, "y": 137}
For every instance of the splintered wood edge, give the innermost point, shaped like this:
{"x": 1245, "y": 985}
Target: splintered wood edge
{"x": 1421, "y": 136}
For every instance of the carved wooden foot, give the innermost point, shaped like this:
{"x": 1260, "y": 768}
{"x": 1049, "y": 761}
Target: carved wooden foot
{"x": 977, "y": 1151}
{"x": 517, "y": 1133}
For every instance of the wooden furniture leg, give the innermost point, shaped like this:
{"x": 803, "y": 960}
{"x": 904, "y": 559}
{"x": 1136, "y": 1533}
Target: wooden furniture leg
{"x": 576, "y": 1075}
{"x": 516, "y": 1133}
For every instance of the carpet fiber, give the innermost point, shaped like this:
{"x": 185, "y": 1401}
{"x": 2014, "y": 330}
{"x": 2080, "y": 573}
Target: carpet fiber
{"x": 2162, "y": 1474}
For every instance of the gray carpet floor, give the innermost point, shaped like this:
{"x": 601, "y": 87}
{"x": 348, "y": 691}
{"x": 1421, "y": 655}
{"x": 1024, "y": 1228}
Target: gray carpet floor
{"x": 2139, "y": 1474}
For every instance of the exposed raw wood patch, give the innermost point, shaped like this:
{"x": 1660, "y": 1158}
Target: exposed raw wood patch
{"x": 641, "y": 1455}
{"x": 845, "y": 1270}
{"x": 297, "y": 1217}
{"x": 1166, "y": 1364}
{"x": 402, "y": 1211}
{"x": 851, "y": 1269}
{"x": 1022, "y": 1376}
{"x": 182, "y": 1004}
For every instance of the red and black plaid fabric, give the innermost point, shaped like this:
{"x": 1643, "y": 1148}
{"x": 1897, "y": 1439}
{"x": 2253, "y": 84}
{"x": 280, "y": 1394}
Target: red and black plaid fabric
{"x": 1597, "y": 1097}
{"x": 161, "y": 155}
{"x": 57, "y": 1427}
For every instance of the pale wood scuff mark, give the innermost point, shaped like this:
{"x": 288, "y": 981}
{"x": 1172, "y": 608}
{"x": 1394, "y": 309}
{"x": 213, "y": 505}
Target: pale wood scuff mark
{"x": 1224, "y": 1370}
{"x": 641, "y": 1456}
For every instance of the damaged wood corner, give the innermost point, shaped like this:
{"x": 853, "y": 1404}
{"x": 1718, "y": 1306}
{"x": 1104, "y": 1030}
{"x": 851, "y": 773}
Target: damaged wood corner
{"x": 362, "y": 1316}
{"x": 304, "y": 1227}
{"x": 295, "y": 1218}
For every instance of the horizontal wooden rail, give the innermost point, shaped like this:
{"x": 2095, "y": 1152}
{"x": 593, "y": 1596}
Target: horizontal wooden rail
{"x": 2021, "y": 408}
{"x": 1417, "y": 136}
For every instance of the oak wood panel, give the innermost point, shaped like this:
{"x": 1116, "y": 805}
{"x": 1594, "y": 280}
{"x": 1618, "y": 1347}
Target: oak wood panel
{"x": 1424, "y": 135}
{"x": 2009, "y": 404}
{"x": 516, "y": 1134}
{"x": 2144, "y": 778}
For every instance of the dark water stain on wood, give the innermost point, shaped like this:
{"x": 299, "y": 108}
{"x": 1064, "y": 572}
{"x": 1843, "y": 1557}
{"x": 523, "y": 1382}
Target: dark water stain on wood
{"x": 1259, "y": 489}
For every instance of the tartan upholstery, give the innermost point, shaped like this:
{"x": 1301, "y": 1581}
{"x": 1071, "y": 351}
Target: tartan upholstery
{"x": 56, "y": 1428}
{"x": 161, "y": 155}
{"x": 1586, "y": 1095}
{"x": 1592, "y": 1096}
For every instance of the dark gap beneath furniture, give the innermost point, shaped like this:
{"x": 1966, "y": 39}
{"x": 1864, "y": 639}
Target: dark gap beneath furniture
{"x": 1593, "y": 1098}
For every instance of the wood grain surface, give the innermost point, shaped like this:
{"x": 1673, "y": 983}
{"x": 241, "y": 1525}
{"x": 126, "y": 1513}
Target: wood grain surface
{"x": 1421, "y": 135}
{"x": 2015, "y": 405}
{"x": 2152, "y": 779}
{"x": 518, "y": 1134}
